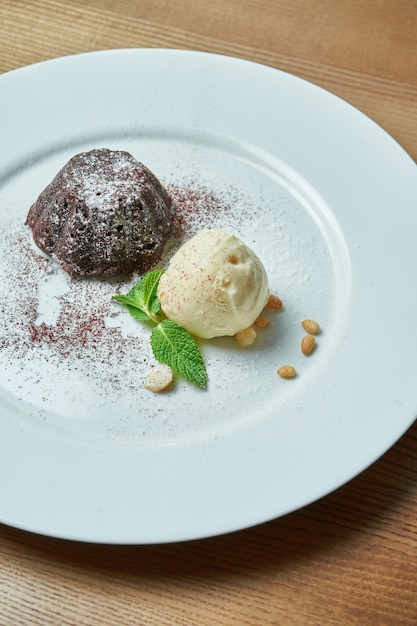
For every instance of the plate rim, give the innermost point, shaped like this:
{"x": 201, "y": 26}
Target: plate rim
{"x": 161, "y": 535}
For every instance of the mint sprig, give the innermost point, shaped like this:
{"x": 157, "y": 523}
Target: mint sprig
{"x": 170, "y": 343}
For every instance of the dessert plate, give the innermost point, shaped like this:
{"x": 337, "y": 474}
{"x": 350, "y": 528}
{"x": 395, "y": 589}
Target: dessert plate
{"x": 327, "y": 200}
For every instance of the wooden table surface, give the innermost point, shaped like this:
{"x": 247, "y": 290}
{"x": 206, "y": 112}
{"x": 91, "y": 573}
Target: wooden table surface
{"x": 350, "y": 558}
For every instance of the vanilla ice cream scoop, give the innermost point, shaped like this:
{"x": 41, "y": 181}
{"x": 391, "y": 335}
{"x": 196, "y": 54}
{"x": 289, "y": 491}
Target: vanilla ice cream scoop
{"x": 214, "y": 286}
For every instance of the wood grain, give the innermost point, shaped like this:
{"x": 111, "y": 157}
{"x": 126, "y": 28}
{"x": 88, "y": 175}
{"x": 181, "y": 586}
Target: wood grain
{"x": 349, "y": 559}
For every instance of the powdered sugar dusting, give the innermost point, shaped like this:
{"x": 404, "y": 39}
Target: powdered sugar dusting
{"x": 55, "y": 326}
{"x": 74, "y": 361}
{"x": 93, "y": 188}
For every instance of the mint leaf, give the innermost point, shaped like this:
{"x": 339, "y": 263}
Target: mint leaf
{"x": 142, "y": 300}
{"x": 174, "y": 346}
{"x": 132, "y": 307}
{"x": 149, "y": 285}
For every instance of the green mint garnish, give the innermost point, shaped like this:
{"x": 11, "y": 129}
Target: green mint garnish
{"x": 174, "y": 346}
{"x": 170, "y": 343}
{"x": 142, "y": 300}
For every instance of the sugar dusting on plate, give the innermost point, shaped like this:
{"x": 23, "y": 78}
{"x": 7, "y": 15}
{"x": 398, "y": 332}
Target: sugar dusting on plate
{"x": 56, "y": 326}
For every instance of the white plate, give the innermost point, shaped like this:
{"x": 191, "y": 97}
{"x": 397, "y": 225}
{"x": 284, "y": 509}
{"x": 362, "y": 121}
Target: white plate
{"x": 324, "y": 196}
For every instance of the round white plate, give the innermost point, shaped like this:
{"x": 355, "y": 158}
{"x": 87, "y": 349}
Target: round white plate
{"x": 324, "y": 196}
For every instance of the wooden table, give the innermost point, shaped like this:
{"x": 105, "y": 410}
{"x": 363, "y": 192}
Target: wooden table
{"x": 350, "y": 558}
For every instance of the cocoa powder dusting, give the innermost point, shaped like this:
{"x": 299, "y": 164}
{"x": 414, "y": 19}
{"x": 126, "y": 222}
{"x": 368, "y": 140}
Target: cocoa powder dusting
{"x": 198, "y": 207}
{"x": 80, "y": 334}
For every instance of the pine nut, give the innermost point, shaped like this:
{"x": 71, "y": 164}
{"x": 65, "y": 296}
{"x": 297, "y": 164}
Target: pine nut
{"x": 261, "y": 321}
{"x": 311, "y": 326}
{"x": 159, "y": 378}
{"x": 307, "y": 344}
{"x": 286, "y": 371}
{"x": 246, "y": 337}
{"x": 274, "y": 303}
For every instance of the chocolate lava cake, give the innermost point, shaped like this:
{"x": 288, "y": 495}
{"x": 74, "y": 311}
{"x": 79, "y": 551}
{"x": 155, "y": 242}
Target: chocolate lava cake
{"x": 103, "y": 214}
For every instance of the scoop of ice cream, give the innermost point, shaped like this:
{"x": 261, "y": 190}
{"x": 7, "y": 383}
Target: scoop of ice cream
{"x": 214, "y": 286}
